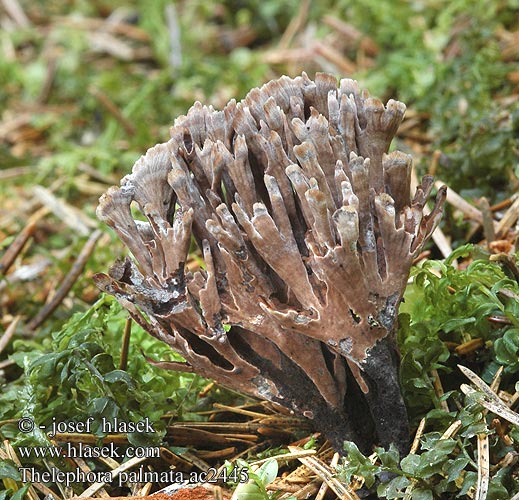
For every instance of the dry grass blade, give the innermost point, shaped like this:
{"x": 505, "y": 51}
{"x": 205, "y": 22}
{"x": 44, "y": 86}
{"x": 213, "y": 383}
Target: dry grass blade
{"x": 489, "y": 399}
{"x": 333, "y": 56}
{"x": 469, "y": 346}
{"x": 452, "y": 429}
{"x": 479, "y": 383}
{"x": 438, "y": 389}
{"x": 450, "y": 432}
{"x": 483, "y": 468}
{"x": 16, "y": 12}
{"x": 296, "y": 25}
{"x": 418, "y": 435}
{"x": 10, "y": 173}
{"x": 324, "y": 487}
{"x": 241, "y": 411}
{"x": 496, "y": 381}
{"x": 16, "y": 247}
{"x": 11, "y": 454}
{"x": 71, "y": 216}
{"x": 497, "y": 407}
{"x": 342, "y": 490}
{"x": 109, "y": 105}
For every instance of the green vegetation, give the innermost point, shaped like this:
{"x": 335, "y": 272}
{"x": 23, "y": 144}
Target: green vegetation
{"x": 80, "y": 101}
{"x": 451, "y": 307}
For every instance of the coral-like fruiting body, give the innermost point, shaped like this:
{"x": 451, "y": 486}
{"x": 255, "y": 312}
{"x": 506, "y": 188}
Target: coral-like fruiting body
{"x": 307, "y": 229}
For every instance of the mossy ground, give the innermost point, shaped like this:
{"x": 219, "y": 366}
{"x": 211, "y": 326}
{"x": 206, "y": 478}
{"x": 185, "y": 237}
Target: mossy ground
{"x": 87, "y": 87}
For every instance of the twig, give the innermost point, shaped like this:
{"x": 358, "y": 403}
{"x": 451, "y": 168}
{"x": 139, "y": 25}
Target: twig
{"x": 16, "y": 247}
{"x": 470, "y": 346}
{"x": 509, "y": 219}
{"x": 342, "y": 63}
{"x": 503, "y": 204}
{"x": 8, "y": 334}
{"x": 49, "y": 80}
{"x": 488, "y": 221}
{"x": 442, "y": 242}
{"x": 123, "y": 363}
{"x": 458, "y": 202}
{"x": 417, "y": 437}
{"x": 499, "y": 408}
{"x": 108, "y": 104}
{"x": 461, "y": 204}
{"x": 352, "y": 35}
{"x": 67, "y": 283}
{"x": 435, "y": 161}
{"x": 91, "y": 439}
{"x": 479, "y": 383}
{"x": 438, "y": 389}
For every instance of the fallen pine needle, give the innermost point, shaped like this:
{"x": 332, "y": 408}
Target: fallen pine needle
{"x": 483, "y": 468}
{"x": 342, "y": 490}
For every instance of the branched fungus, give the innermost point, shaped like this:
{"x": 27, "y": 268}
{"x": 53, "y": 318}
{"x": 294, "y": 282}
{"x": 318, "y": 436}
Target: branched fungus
{"x": 307, "y": 229}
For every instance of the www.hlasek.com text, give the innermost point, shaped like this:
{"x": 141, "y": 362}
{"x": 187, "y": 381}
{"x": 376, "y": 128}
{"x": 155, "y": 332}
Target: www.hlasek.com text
{"x": 81, "y": 450}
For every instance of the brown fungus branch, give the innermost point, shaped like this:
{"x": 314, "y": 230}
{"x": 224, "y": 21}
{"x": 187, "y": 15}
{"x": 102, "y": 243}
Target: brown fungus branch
{"x": 308, "y": 230}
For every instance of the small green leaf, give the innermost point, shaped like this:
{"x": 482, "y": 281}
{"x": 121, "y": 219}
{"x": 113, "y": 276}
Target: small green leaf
{"x": 454, "y": 468}
{"x": 249, "y": 491}
{"x": 410, "y": 463}
{"x": 8, "y": 469}
{"x": 20, "y": 494}
{"x": 268, "y": 471}
{"x": 421, "y": 494}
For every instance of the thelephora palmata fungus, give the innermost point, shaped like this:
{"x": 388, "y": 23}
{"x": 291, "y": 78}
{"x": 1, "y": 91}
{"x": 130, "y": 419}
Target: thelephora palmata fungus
{"x": 307, "y": 229}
